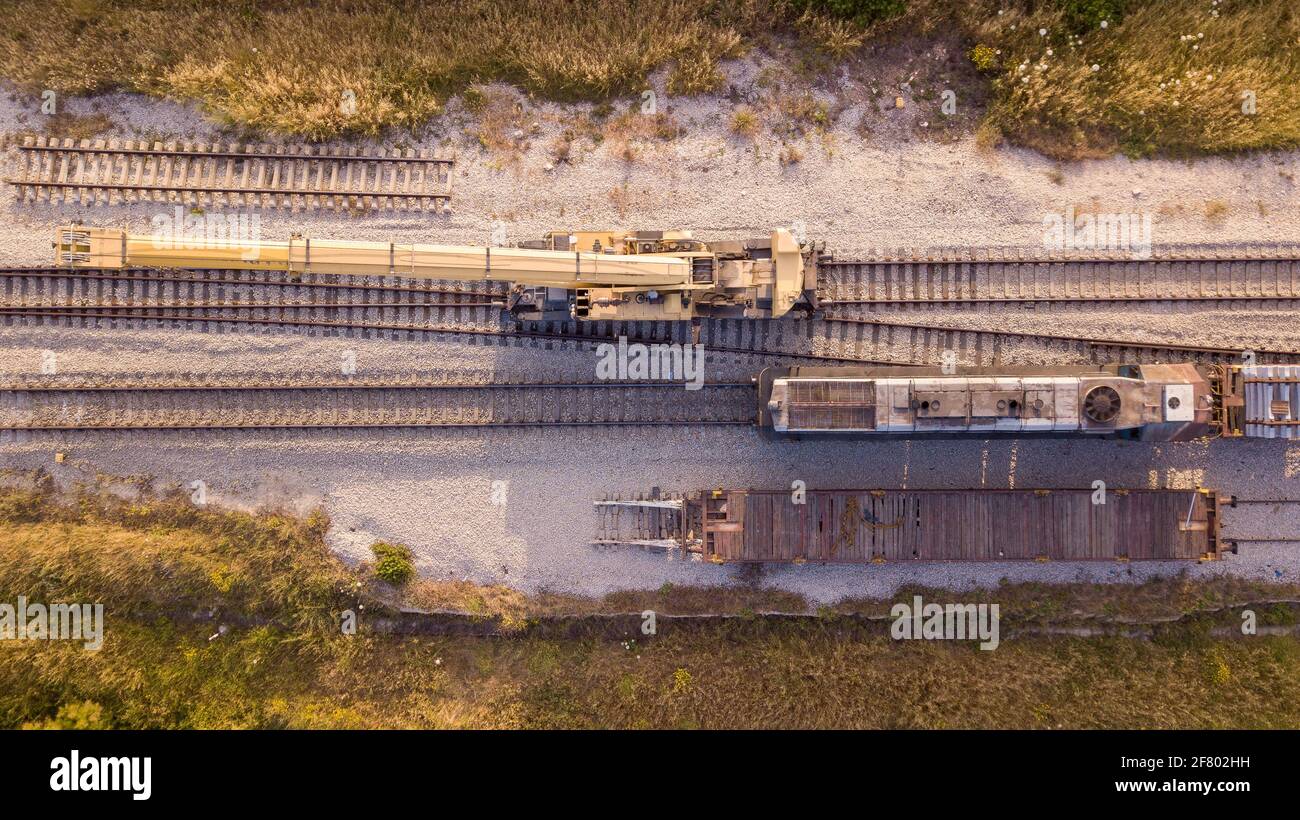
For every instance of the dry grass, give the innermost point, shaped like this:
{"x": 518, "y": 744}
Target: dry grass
{"x": 632, "y": 132}
{"x": 501, "y": 127}
{"x": 745, "y": 122}
{"x": 620, "y": 196}
{"x": 790, "y": 155}
{"x": 740, "y": 675}
{"x": 561, "y": 148}
{"x": 516, "y": 608}
{"x": 246, "y": 63}
{"x": 1216, "y": 211}
{"x": 1154, "y": 601}
{"x": 154, "y": 563}
{"x": 259, "y": 64}
{"x": 1153, "y": 89}
{"x": 78, "y": 126}
{"x": 162, "y": 553}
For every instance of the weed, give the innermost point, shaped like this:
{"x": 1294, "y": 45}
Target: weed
{"x": 77, "y": 127}
{"x": 1216, "y": 211}
{"x": 561, "y": 148}
{"x": 745, "y": 122}
{"x": 621, "y": 198}
{"x": 984, "y": 57}
{"x": 393, "y": 563}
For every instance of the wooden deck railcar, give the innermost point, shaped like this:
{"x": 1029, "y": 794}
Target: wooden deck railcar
{"x": 863, "y": 526}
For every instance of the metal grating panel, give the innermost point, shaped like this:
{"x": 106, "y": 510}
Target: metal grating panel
{"x": 832, "y": 392}
{"x": 831, "y": 405}
{"x": 831, "y": 418}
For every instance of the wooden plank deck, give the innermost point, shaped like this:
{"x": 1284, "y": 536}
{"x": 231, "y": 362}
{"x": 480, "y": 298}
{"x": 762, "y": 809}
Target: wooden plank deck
{"x": 859, "y": 526}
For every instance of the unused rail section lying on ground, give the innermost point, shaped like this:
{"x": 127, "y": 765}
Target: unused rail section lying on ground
{"x": 297, "y": 177}
{"x": 865, "y": 526}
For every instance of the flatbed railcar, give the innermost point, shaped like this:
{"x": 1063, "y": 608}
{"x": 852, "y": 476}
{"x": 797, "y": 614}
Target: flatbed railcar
{"x": 881, "y": 525}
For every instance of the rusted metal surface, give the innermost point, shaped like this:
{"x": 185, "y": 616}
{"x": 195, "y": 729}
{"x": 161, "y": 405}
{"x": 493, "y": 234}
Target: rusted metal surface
{"x": 862, "y": 526}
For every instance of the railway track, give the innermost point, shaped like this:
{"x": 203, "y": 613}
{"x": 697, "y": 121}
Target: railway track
{"x": 1261, "y": 521}
{"x": 550, "y": 335}
{"x": 219, "y": 301}
{"x": 395, "y": 307}
{"x": 87, "y": 298}
{"x": 187, "y": 403}
{"x": 249, "y": 176}
{"x": 1244, "y": 280}
{"x": 875, "y": 305}
{"x": 980, "y": 347}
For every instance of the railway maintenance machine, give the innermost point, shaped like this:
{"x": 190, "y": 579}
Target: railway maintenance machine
{"x": 589, "y": 275}
{"x": 1148, "y": 402}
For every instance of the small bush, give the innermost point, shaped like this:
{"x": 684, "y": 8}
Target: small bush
{"x": 984, "y": 57}
{"x": 393, "y": 563}
{"x": 744, "y": 122}
{"x": 790, "y": 155}
{"x": 84, "y": 715}
{"x": 682, "y": 681}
